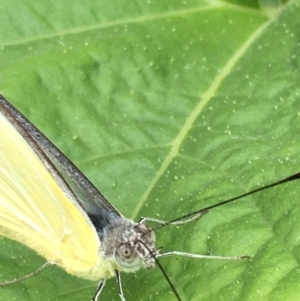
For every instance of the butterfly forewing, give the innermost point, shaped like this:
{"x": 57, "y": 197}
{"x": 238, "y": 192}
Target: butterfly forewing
{"x": 38, "y": 212}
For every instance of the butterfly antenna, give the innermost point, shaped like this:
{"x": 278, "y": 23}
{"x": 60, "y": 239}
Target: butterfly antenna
{"x": 27, "y": 276}
{"x": 197, "y": 214}
{"x": 163, "y": 272}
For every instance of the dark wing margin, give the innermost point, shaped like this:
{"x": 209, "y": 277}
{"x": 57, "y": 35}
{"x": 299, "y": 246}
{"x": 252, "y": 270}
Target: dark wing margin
{"x": 89, "y": 197}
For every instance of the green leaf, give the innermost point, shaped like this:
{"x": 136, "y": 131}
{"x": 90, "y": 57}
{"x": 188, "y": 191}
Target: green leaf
{"x": 167, "y": 107}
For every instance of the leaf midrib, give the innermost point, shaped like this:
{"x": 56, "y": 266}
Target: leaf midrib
{"x": 203, "y": 102}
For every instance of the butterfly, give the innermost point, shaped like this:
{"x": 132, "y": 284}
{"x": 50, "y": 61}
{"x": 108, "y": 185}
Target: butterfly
{"x": 47, "y": 204}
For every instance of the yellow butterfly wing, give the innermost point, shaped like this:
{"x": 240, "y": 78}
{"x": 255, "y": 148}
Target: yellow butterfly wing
{"x": 38, "y": 209}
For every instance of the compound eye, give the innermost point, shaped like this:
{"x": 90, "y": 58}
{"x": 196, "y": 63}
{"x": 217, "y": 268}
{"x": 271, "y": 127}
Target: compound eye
{"x": 126, "y": 256}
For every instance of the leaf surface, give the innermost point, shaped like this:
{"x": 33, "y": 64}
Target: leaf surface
{"x": 167, "y": 107}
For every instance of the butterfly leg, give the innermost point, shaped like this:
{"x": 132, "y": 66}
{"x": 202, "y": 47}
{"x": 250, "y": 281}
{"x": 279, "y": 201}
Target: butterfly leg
{"x": 27, "y": 276}
{"x": 99, "y": 289}
{"x": 182, "y": 221}
{"x": 121, "y": 294}
{"x": 199, "y": 256}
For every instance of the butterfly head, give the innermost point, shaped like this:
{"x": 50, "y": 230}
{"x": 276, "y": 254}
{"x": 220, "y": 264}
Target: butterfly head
{"x": 136, "y": 248}
{"x": 132, "y": 246}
